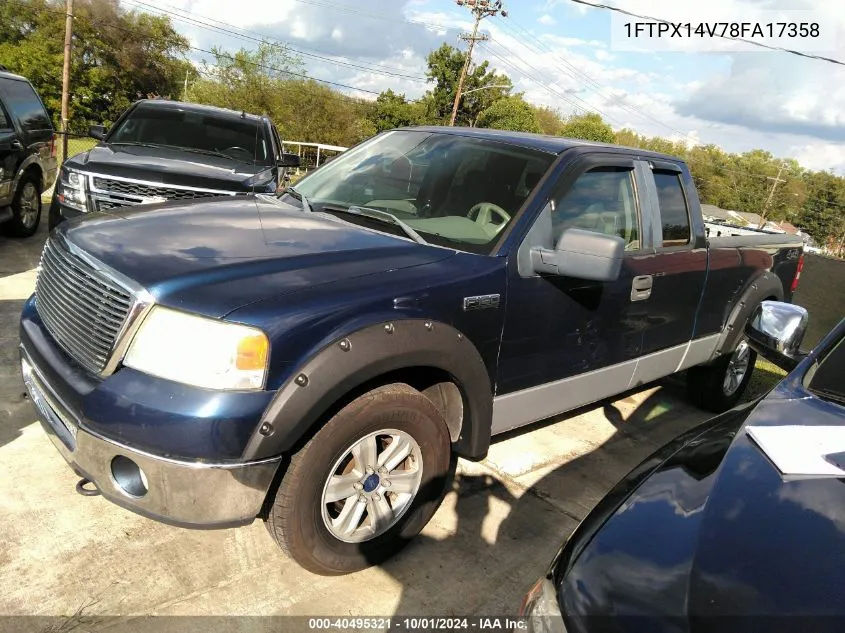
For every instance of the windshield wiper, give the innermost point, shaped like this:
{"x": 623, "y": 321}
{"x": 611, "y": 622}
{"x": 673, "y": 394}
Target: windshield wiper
{"x": 306, "y": 206}
{"x": 378, "y": 214}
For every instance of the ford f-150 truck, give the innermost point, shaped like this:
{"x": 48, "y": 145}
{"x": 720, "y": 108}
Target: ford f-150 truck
{"x": 318, "y": 358}
{"x": 168, "y": 150}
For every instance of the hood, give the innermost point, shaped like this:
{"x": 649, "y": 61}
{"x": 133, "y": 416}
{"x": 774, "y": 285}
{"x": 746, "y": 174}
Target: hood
{"x": 168, "y": 166}
{"x": 216, "y": 255}
{"x": 712, "y": 531}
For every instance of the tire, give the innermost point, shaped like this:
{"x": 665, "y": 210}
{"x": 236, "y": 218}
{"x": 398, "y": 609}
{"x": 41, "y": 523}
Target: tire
{"x": 26, "y": 208}
{"x": 312, "y": 532}
{"x": 708, "y": 385}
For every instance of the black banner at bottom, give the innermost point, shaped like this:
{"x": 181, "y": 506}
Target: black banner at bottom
{"x": 495, "y": 624}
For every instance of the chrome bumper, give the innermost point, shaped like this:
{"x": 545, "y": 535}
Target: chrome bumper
{"x": 188, "y": 494}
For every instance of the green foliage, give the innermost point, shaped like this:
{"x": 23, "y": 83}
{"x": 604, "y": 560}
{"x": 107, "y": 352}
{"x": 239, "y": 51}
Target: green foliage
{"x": 118, "y": 56}
{"x": 265, "y": 81}
{"x": 393, "y": 110}
{"x": 510, "y": 113}
{"x": 444, "y": 70}
{"x": 589, "y": 127}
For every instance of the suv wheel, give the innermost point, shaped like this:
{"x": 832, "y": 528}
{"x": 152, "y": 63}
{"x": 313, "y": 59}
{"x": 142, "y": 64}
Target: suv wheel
{"x": 26, "y": 208}
{"x": 719, "y": 386}
{"x": 365, "y": 484}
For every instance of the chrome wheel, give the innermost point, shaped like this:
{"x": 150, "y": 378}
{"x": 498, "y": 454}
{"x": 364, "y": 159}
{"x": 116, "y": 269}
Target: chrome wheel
{"x": 28, "y": 205}
{"x": 372, "y": 485}
{"x": 737, "y": 368}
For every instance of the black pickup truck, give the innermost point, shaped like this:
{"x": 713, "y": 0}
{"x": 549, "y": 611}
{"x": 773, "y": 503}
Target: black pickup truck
{"x": 319, "y": 358}
{"x": 168, "y": 150}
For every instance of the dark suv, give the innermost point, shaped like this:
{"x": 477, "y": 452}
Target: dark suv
{"x": 161, "y": 150}
{"x": 27, "y": 154}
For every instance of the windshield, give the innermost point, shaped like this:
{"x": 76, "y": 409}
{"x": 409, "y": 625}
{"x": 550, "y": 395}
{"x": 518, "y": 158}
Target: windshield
{"x": 827, "y": 379}
{"x": 238, "y": 139}
{"x": 452, "y": 190}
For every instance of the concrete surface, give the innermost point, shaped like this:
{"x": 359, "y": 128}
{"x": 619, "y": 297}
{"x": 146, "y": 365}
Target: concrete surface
{"x": 495, "y": 534}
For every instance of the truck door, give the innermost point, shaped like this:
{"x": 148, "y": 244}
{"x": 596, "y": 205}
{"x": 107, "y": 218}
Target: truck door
{"x": 10, "y": 148}
{"x": 567, "y": 342}
{"x": 674, "y": 277}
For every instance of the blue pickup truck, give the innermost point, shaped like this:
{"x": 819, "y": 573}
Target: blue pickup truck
{"x": 319, "y": 358}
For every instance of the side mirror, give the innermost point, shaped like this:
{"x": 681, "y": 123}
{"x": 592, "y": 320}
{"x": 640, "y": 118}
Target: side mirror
{"x": 583, "y": 255}
{"x": 775, "y": 331}
{"x": 97, "y": 131}
{"x": 289, "y": 160}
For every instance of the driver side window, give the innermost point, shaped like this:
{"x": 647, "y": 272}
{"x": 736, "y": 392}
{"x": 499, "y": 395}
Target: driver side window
{"x": 601, "y": 200}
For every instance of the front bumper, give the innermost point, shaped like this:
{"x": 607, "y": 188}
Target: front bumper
{"x": 185, "y": 493}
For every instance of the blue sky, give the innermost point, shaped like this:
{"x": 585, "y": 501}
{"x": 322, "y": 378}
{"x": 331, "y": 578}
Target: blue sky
{"x": 560, "y": 54}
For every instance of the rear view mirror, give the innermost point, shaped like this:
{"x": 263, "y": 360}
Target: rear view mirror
{"x": 97, "y": 131}
{"x": 775, "y": 331}
{"x": 289, "y": 160}
{"x": 583, "y": 255}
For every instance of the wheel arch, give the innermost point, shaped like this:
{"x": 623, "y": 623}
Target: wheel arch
{"x": 30, "y": 166}
{"x": 432, "y": 357}
{"x": 764, "y": 286}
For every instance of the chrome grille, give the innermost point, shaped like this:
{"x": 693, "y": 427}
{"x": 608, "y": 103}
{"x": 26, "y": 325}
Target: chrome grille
{"x": 111, "y": 193}
{"x": 81, "y": 307}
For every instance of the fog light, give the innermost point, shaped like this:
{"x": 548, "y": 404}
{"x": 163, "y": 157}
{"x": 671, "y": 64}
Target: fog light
{"x": 128, "y": 476}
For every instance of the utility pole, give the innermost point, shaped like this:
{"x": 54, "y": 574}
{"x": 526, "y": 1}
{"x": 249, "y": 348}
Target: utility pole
{"x": 776, "y": 179}
{"x": 66, "y": 72}
{"x": 185, "y": 91}
{"x": 480, "y": 9}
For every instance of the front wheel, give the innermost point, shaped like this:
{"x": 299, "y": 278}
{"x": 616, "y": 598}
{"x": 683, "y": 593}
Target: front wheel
{"x": 365, "y": 484}
{"x": 719, "y": 386}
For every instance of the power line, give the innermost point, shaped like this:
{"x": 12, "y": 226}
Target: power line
{"x": 184, "y": 16}
{"x": 224, "y": 54}
{"x": 726, "y": 37}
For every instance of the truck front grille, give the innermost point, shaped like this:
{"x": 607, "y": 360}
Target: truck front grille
{"x": 111, "y": 193}
{"x": 82, "y": 308}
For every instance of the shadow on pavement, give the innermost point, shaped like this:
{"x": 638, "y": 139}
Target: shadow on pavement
{"x": 507, "y": 533}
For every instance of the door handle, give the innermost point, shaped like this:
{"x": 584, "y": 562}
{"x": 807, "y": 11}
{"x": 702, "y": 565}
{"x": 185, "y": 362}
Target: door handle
{"x": 641, "y": 287}
{"x": 16, "y": 144}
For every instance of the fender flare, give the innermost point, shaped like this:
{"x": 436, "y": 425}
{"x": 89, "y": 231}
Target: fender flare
{"x": 352, "y": 360}
{"x": 26, "y": 164}
{"x": 758, "y": 289}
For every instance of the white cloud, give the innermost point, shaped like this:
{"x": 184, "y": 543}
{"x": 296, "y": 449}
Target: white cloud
{"x": 546, "y": 20}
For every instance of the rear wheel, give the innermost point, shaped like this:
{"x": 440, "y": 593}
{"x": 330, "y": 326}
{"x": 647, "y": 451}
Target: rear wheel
{"x": 365, "y": 484}
{"x": 26, "y": 208}
{"x": 719, "y": 386}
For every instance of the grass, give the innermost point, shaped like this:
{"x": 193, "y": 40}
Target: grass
{"x": 766, "y": 375}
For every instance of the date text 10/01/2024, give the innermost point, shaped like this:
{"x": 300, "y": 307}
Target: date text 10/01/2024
{"x": 420, "y": 623}
{"x": 771, "y": 30}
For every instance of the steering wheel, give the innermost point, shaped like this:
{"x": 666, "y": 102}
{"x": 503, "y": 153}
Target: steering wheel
{"x": 484, "y": 211}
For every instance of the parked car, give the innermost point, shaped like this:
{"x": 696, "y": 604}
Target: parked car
{"x": 707, "y": 534}
{"x": 320, "y": 358}
{"x": 161, "y": 150}
{"x": 27, "y": 154}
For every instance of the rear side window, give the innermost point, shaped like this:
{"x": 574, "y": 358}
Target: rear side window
{"x": 4, "y": 122}
{"x": 673, "y": 209}
{"x": 24, "y": 104}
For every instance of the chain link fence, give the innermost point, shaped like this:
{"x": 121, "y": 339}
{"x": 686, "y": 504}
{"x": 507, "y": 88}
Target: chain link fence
{"x": 76, "y": 143}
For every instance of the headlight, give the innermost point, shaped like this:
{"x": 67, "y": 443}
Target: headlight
{"x": 71, "y": 189}
{"x": 540, "y": 609}
{"x": 199, "y": 351}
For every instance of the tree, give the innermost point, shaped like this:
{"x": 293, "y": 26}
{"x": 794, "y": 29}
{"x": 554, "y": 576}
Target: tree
{"x": 549, "y": 120}
{"x": 118, "y": 56}
{"x": 510, "y": 113}
{"x": 444, "y": 70}
{"x": 392, "y": 110}
{"x": 247, "y": 80}
{"x": 589, "y": 127}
